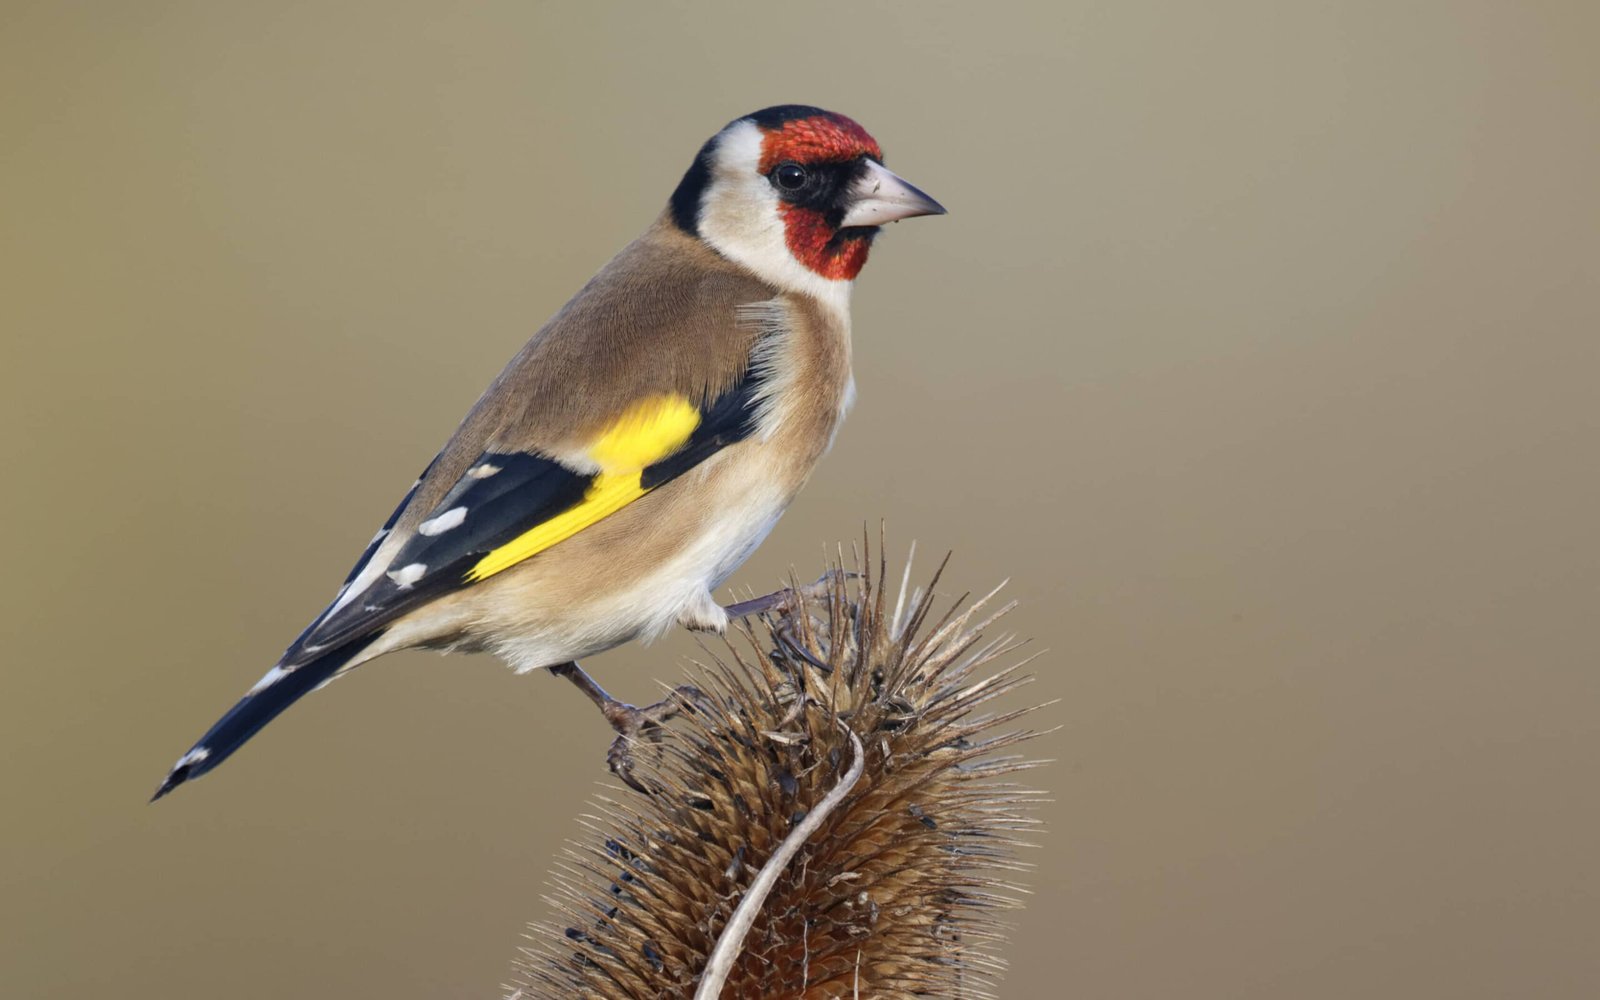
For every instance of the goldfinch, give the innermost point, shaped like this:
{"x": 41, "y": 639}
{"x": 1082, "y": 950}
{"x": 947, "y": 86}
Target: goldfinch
{"x": 643, "y": 443}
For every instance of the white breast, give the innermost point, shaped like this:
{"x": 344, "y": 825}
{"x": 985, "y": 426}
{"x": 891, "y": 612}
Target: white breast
{"x": 748, "y": 496}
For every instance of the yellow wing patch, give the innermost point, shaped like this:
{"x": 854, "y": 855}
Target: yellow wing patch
{"x": 645, "y": 433}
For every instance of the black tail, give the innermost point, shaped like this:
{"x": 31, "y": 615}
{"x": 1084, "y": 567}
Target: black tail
{"x": 277, "y": 691}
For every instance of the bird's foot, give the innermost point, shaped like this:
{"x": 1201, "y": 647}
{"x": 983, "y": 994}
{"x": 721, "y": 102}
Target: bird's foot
{"x": 630, "y": 722}
{"x": 790, "y": 599}
{"x": 633, "y": 724}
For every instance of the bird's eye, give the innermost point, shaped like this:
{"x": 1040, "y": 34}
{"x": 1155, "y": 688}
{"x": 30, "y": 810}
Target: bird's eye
{"x": 789, "y": 176}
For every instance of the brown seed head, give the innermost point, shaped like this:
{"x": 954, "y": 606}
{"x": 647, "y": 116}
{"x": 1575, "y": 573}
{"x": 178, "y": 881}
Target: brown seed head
{"x": 895, "y": 894}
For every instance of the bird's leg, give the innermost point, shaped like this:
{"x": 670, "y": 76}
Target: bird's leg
{"x": 789, "y": 599}
{"x": 629, "y": 721}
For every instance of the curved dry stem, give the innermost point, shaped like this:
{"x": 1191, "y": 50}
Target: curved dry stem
{"x": 732, "y": 937}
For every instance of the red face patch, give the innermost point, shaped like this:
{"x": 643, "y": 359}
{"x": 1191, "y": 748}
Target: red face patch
{"x": 814, "y": 243}
{"x": 825, "y": 138}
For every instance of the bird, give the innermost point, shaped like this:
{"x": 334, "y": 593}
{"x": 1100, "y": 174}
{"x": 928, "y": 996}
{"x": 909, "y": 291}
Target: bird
{"x": 639, "y": 447}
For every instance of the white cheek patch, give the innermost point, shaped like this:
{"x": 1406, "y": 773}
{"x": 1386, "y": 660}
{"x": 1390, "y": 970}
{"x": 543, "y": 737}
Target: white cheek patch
{"x": 740, "y": 217}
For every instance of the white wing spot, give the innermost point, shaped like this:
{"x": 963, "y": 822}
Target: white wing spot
{"x": 451, "y": 518}
{"x": 194, "y": 756}
{"x": 270, "y": 678}
{"x": 483, "y": 471}
{"x": 405, "y": 576}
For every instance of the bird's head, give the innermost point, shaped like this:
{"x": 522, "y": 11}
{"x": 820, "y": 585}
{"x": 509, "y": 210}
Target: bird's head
{"x": 795, "y": 194}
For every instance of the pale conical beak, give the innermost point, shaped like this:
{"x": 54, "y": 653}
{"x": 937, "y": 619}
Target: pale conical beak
{"x": 880, "y": 196}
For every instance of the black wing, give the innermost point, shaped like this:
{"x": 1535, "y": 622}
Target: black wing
{"x": 502, "y": 496}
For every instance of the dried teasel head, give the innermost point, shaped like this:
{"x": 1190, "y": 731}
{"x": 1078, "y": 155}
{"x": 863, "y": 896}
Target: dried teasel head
{"x": 838, "y": 775}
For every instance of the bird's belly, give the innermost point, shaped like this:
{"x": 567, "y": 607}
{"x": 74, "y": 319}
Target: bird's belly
{"x": 633, "y": 574}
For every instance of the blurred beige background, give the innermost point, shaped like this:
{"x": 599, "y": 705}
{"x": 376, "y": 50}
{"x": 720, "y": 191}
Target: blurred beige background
{"x": 1258, "y": 349}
